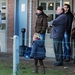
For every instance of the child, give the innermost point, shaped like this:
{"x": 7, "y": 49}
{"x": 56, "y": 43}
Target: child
{"x": 38, "y": 53}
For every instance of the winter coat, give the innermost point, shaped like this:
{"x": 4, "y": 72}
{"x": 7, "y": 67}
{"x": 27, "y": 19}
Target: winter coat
{"x": 58, "y": 27}
{"x": 69, "y": 16}
{"x": 38, "y": 50}
{"x": 41, "y": 24}
{"x": 73, "y": 29}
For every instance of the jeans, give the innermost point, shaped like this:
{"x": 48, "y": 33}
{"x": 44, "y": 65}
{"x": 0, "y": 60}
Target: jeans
{"x": 66, "y": 45}
{"x": 42, "y": 36}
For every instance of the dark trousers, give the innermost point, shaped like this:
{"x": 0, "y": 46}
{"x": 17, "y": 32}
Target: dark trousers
{"x": 36, "y": 65}
{"x": 40, "y": 61}
{"x": 58, "y": 50}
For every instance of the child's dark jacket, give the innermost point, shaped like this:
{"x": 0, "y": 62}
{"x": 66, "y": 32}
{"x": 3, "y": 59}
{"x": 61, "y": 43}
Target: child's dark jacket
{"x": 38, "y": 49}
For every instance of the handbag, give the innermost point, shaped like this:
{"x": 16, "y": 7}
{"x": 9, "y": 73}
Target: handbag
{"x": 27, "y": 52}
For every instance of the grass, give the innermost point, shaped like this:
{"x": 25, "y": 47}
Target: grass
{"x": 26, "y": 69}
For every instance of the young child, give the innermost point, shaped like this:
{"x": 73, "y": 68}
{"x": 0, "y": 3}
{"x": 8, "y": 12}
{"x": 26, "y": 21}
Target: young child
{"x": 38, "y": 53}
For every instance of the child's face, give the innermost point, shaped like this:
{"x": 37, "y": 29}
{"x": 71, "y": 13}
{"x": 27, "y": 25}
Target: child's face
{"x": 34, "y": 39}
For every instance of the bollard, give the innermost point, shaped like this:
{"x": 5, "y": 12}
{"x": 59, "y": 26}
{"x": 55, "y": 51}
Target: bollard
{"x": 15, "y": 55}
{"x": 22, "y": 47}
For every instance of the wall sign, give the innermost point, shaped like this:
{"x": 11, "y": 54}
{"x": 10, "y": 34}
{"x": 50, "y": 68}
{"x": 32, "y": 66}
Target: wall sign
{"x": 23, "y": 7}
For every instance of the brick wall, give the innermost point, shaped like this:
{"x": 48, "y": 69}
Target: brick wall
{"x": 10, "y": 30}
{"x": 33, "y": 15}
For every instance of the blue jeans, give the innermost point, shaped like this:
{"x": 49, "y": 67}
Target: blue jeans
{"x": 66, "y": 45}
{"x": 42, "y": 36}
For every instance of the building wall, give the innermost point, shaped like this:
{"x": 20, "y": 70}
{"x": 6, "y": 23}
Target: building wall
{"x": 33, "y": 16}
{"x": 10, "y": 28}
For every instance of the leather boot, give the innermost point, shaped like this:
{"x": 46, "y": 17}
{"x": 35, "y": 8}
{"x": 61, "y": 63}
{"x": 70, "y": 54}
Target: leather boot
{"x": 35, "y": 69}
{"x": 43, "y": 69}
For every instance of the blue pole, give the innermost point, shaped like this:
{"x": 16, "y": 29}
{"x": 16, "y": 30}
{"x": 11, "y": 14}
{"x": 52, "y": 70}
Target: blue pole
{"x": 15, "y": 55}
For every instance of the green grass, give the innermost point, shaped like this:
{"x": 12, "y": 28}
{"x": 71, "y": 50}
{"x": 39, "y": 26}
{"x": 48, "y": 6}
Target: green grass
{"x": 26, "y": 69}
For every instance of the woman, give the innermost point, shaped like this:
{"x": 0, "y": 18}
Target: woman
{"x": 73, "y": 33}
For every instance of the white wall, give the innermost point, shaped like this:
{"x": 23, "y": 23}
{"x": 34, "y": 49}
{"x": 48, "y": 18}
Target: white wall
{"x": 3, "y": 41}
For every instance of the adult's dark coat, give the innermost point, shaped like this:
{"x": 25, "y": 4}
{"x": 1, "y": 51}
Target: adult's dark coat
{"x": 41, "y": 23}
{"x": 69, "y": 16}
{"x": 58, "y": 27}
{"x": 73, "y": 29}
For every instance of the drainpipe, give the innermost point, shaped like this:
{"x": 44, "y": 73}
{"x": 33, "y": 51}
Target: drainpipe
{"x": 30, "y": 24}
{"x": 14, "y": 15}
{"x": 61, "y": 3}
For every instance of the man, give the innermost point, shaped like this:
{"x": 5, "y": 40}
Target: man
{"x": 66, "y": 40}
{"x": 41, "y": 23}
{"x": 57, "y": 33}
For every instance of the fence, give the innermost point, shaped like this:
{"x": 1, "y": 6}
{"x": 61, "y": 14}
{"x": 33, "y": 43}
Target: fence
{"x": 11, "y": 64}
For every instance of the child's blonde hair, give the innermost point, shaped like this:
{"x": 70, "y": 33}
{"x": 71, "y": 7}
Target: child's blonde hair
{"x": 36, "y": 36}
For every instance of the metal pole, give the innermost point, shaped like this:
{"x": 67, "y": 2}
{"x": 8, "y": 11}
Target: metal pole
{"x": 30, "y": 24}
{"x": 15, "y": 55}
{"x": 61, "y": 3}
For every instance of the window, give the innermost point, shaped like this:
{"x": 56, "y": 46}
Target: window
{"x": 3, "y": 22}
{"x": 3, "y": 5}
{"x": 50, "y": 17}
{"x": 3, "y": 16}
{"x": 51, "y": 6}
{"x": 3, "y": 26}
{"x": 43, "y": 5}
{"x": 56, "y": 6}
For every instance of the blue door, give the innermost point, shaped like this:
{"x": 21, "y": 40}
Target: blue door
{"x": 21, "y": 18}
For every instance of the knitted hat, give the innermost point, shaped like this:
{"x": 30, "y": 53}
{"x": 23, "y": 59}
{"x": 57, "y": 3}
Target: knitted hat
{"x": 40, "y": 8}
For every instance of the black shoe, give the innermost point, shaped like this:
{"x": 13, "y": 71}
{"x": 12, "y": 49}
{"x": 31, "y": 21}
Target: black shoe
{"x": 74, "y": 62}
{"x": 58, "y": 64}
{"x": 64, "y": 58}
{"x": 67, "y": 60}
